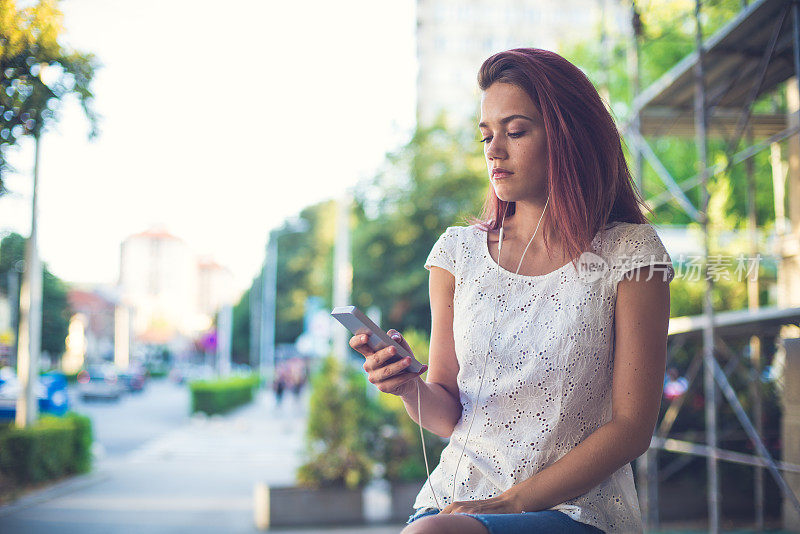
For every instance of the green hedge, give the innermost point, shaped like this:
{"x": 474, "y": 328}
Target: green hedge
{"x": 222, "y": 395}
{"x": 52, "y": 448}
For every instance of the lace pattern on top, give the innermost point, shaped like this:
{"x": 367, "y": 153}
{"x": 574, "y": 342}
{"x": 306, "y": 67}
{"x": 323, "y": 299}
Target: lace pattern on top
{"x": 547, "y": 385}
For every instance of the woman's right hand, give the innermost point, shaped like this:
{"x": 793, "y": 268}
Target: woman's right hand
{"x": 388, "y": 375}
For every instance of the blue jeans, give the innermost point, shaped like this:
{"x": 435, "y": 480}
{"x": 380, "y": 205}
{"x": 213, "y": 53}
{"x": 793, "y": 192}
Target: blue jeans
{"x": 550, "y": 521}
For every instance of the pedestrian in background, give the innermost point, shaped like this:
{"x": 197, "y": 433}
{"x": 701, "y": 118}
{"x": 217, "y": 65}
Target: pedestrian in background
{"x": 279, "y": 382}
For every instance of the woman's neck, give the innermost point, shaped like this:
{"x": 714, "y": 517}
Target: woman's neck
{"x": 523, "y": 223}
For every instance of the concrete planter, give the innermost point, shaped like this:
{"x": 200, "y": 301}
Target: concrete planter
{"x": 295, "y": 506}
{"x": 403, "y": 494}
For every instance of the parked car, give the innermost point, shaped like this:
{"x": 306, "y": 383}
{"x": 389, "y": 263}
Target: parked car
{"x": 51, "y": 391}
{"x": 133, "y": 378}
{"x": 99, "y": 382}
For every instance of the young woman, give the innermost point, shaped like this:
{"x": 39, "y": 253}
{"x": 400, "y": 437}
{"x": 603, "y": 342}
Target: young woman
{"x": 554, "y": 343}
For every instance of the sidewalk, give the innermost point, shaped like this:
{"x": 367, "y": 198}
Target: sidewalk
{"x": 197, "y": 478}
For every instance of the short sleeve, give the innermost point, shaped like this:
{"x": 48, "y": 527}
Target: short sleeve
{"x": 638, "y": 245}
{"x": 443, "y": 253}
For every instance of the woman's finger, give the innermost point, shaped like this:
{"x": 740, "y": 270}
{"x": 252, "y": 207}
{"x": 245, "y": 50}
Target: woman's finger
{"x": 380, "y": 358}
{"x": 388, "y": 371}
{"x": 397, "y": 336}
{"x": 359, "y": 344}
{"x": 395, "y": 383}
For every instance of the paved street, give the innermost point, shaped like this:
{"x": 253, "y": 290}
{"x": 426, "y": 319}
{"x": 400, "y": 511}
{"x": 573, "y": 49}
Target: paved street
{"x": 161, "y": 471}
{"x": 122, "y": 426}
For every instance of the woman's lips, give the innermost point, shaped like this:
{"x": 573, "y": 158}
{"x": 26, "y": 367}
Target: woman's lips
{"x": 501, "y": 174}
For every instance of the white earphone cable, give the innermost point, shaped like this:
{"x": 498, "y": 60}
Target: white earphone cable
{"x": 488, "y": 351}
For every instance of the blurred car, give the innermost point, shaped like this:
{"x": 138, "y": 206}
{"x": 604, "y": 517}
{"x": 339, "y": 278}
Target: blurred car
{"x": 184, "y": 373}
{"x": 133, "y": 378}
{"x": 51, "y": 392}
{"x": 96, "y": 382}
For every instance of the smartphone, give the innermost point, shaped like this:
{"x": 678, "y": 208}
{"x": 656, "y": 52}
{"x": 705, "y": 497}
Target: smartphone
{"x": 354, "y": 320}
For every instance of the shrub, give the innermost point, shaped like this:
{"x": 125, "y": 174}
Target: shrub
{"x": 400, "y": 449}
{"x": 222, "y": 395}
{"x": 52, "y": 448}
{"x": 342, "y": 428}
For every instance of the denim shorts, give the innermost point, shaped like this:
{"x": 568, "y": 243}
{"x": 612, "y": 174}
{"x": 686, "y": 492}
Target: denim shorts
{"x": 526, "y": 522}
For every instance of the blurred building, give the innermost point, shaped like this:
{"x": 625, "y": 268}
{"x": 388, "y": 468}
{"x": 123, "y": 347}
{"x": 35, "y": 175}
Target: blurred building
{"x": 172, "y": 295}
{"x": 215, "y": 287}
{"x": 454, "y": 37}
{"x": 91, "y": 327}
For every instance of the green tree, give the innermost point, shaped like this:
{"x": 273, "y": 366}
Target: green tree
{"x": 37, "y": 72}
{"x": 240, "y": 342}
{"x": 305, "y": 267}
{"x": 55, "y": 308}
{"x": 668, "y": 35}
{"x": 436, "y": 180}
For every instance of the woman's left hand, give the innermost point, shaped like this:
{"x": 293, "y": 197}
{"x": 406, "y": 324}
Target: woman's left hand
{"x": 502, "y": 504}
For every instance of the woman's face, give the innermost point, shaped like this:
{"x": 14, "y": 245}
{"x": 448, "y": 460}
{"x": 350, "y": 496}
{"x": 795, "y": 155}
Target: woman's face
{"x": 514, "y": 140}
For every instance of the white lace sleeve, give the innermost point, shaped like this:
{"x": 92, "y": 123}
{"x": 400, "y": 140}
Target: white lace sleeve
{"x": 443, "y": 253}
{"x": 639, "y": 246}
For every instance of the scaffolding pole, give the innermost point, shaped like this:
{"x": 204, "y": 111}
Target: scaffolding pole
{"x": 710, "y": 391}
{"x": 709, "y": 90}
{"x": 755, "y": 341}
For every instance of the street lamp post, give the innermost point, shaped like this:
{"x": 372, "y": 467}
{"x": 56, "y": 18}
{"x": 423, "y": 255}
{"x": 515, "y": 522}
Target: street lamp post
{"x": 269, "y": 281}
{"x": 343, "y": 271}
{"x": 269, "y": 293}
{"x": 255, "y": 323}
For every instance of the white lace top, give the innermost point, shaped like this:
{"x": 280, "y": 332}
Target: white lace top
{"x": 548, "y": 382}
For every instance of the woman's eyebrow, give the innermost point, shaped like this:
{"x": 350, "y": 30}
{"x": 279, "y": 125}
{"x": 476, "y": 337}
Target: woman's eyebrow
{"x": 507, "y": 119}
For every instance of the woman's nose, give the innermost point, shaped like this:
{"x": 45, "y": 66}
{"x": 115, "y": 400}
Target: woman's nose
{"x": 495, "y": 149}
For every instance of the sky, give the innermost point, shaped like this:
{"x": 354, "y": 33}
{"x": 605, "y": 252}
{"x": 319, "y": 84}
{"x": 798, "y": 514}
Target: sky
{"x": 219, "y": 120}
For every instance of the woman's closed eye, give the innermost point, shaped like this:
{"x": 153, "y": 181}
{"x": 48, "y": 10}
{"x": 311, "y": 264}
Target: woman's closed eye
{"x": 513, "y": 135}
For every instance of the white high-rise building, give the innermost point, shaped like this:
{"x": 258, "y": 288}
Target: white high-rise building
{"x": 454, "y": 37}
{"x": 171, "y": 293}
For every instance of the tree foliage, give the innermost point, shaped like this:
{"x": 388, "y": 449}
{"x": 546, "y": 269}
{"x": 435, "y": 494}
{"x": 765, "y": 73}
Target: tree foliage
{"x": 667, "y": 36}
{"x": 436, "y": 180}
{"x": 305, "y": 267}
{"x": 37, "y": 72}
{"x": 240, "y": 341}
{"x": 55, "y": 308}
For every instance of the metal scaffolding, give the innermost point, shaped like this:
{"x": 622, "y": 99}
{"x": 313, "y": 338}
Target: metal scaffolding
{"x": 711, "y": 93}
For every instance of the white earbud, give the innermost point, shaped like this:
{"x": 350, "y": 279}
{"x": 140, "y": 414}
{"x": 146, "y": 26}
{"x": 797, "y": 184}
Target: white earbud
{"x": 500, "y": 243}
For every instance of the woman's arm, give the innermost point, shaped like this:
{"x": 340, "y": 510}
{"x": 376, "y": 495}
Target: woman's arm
{"x": 441, "y": 407}
{"x": 641, "y": 320}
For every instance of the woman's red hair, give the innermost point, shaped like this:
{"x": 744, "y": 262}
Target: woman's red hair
{"x": 588, "y": 178}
